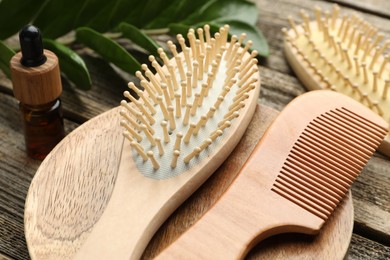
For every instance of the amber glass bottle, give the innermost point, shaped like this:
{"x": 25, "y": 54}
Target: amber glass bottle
{"x": 37, "y": 85}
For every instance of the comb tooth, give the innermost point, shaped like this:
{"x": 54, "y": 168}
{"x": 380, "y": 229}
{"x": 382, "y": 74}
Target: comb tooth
{"x": 320, "y": 186}
{"x": 337, "y": 117}
{"x": 380, "y": 131}
{"x": 313, "y": 173}
{"x": 309, "y": 188}
{"x": 344, "y": 128}
{"x": 344, "y": 145}
{"x": 334, "y": 147}
{"x": 321, "y": 167}
{"x": 340, "y": 172}
{"x": 290, "y": 196}
{"x": 304, "y": 198}
{"x": 303, "y": 193}
{"x": 343, "y": 138}
{"x": 328, "y": 153}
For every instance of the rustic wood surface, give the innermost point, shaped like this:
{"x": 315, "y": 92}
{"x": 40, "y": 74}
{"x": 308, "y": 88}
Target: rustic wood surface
{"x": 371, "y": 192}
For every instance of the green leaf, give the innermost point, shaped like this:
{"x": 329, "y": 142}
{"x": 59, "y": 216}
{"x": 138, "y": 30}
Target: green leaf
{"x": 108, "y": 49}
{"x": 5, "y": 56}
{"x": 138, "y": 37}
{"x": 57, "y": 17}
{"x": 178, "y": 10}
{"x": 145, "y": 12}
{"x": 215, "y": 10}
{"x": 90, "y": 11}
{"x": 114, "y": 12}
{"x": 238, "y": 27}
{"x": 14, "y": 14}
{"x": 71, "y": 64}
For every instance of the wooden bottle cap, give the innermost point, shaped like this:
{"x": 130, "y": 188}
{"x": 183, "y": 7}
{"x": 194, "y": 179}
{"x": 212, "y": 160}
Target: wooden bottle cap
{"x": 36, "y": 85}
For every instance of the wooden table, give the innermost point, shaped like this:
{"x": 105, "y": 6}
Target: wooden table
{"x": 371, "y": 192}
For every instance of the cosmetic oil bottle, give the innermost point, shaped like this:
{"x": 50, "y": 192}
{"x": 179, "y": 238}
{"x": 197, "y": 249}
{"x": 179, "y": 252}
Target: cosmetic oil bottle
{"x": 37, "y": 85}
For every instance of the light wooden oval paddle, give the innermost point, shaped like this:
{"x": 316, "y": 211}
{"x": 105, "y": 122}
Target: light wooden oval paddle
{"x": 93, "y": 191}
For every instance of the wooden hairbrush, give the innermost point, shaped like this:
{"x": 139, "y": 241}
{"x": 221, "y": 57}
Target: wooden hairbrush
{"x": 343, "y": 54}
{"x": 97, "y": 196}
{"x": 292, "y": 185}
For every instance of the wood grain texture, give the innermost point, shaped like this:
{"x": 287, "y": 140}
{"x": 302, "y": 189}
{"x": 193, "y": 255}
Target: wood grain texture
{"x": 239, "y": 220}
{"x": 71, "y": 188}
{"x": 36, "y": 85}
{"x": 279, "y": 86}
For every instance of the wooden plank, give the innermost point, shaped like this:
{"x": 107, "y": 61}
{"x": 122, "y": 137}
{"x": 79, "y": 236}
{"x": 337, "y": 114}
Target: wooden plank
{"x": 363, "y": 248}
{"x": 16, "y": 171}
{"x": 377, "y": 7}
{"x": 371, "y": 195}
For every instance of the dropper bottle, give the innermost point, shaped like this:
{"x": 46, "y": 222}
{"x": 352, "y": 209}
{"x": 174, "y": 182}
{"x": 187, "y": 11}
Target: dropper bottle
{"x": 37, "y": 85}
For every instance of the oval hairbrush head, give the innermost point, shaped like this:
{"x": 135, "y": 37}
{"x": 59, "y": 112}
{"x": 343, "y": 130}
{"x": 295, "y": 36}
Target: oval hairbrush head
{"x": 345, "y": 54}
{"x": 100, "y": 195}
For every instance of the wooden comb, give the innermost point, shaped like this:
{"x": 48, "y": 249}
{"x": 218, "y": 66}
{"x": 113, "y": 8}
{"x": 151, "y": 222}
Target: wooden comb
{"x": 98, "y": 197}
{"x": 343, "y": 54}
{"x": 293, "y": 181}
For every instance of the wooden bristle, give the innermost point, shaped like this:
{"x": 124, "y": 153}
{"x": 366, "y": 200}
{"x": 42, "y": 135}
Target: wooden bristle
{"x": 207, "y": 82}
{"x": 343, "y": 53}
{"x": 327, "y": 157}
